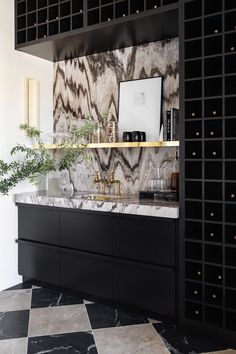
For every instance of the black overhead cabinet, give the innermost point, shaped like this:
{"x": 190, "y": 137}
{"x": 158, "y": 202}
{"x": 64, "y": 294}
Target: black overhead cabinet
{"x": 60, "y": 29}
{"x": 208, "y": 287}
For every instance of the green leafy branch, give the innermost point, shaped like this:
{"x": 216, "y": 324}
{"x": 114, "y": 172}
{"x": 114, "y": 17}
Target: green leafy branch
{"x": 32, "y": 164}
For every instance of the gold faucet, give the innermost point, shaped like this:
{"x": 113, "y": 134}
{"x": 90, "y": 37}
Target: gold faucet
{"x": 112, "y": 180}
{"x": 98, "y": 179}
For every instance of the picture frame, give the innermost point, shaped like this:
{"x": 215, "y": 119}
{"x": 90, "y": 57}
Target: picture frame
{"x": 140, "y": 106}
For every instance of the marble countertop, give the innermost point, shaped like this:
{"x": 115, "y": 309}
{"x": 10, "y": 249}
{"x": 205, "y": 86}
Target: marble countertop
{"x": 127, "y": 204}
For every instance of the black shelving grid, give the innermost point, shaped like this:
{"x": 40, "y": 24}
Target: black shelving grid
{"x": 210, "y": 163}
{"x": 40, "y": 19}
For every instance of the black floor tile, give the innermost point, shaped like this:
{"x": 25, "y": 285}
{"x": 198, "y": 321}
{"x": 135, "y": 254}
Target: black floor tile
{"x": 81, "y": 342}
{"x": 47, "y": 298}
{"x": 178, "y": 343}
{"x": 14, "y": 324}
{"x": 102, "y": 316}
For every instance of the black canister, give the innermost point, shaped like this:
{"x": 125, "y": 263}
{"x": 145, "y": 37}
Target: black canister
{"x": 127, "y": 137}
{"x": 143, "y": 136}
{"x": 136, "y": 136}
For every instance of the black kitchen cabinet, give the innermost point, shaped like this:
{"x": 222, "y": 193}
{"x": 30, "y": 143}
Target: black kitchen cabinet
{"x": 132, "y": 280}
{"x": 129, "y": 259}
{"x": 42, "y": 226}
{"x": 87, "y": 273}
{"x": 86, "y": 232}
{"x": 159, "y": 242}
{"x": 39, "y": 261}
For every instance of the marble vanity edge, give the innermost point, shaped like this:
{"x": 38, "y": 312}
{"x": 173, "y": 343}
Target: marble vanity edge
{"x": 124, "y": 207}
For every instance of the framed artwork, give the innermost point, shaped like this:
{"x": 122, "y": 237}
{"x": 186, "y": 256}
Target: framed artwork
{"x": 140, "y": 105}
{"x": 31, "y": 91}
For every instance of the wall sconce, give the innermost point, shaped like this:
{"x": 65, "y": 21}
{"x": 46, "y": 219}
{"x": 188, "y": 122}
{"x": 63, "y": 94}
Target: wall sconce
{"x": 31, "y": 91}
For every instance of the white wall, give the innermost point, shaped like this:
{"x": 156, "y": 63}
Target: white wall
{"x": 14, "y": 67}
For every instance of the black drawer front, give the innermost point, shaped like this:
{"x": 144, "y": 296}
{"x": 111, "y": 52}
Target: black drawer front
{"x": 145, "y": 240}
{"x": 151, "y": 289}
{"x": 92, "y": 275}
{"x": 38, "y": 224}
{"x": 87, "y": 232}
{"x": 39, "y": 262}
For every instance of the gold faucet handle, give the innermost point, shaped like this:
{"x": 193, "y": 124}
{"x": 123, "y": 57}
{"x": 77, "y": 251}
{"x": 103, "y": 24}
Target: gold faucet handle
{"x": 111, "y": 176}
{"x": 97, "y": 176}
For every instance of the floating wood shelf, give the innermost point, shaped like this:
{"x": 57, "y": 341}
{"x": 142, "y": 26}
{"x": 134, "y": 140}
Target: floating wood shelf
{"x": 117, "y": 145}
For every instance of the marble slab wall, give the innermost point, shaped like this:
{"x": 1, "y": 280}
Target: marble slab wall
{"x": 88, "y": 86}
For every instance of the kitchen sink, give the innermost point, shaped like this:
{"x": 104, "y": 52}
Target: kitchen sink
{"x": 101, "y": 197}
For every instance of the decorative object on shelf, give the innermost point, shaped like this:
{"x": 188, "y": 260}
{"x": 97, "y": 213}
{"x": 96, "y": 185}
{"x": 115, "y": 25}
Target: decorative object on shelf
{"x": 171, "y": 125}
{"x": 99, "y": 133}
{"x": 175, "y": 174}
{"x": 31, "y": 100}
{"x": 136, "y": 136}
{"x": 142, "y": 136}
{"x": 112, "y": 131}
{"x": 58, "y": 138}
{"x": 140, "y": 104}
{"x": 127, "y": 137}
{"x": 166, "y": 195}
{"x": 98, "y": 136}
{"x": 156, "y": 181}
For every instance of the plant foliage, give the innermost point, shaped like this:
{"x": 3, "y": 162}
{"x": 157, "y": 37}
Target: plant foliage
{"x": 32, "y": 164}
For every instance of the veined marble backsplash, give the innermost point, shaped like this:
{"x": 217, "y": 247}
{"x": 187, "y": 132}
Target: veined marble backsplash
{"x": 88, "y": 86}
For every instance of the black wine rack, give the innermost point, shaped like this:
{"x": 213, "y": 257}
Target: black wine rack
{"x": 209, "y": 164}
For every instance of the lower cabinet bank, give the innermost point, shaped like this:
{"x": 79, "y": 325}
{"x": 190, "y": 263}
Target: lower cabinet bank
{"x": 124, "y": 258}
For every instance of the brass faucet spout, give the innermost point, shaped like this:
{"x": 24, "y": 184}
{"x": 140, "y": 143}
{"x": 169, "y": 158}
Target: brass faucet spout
{"x": 112, "y": 181}
{"x": 99, "y": 180}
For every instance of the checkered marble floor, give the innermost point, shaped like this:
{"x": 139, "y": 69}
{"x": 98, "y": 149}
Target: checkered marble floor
{"x": 43, "y": 319}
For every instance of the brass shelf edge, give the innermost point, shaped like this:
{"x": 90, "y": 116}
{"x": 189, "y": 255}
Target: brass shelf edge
{"x": 117, "y": 145}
